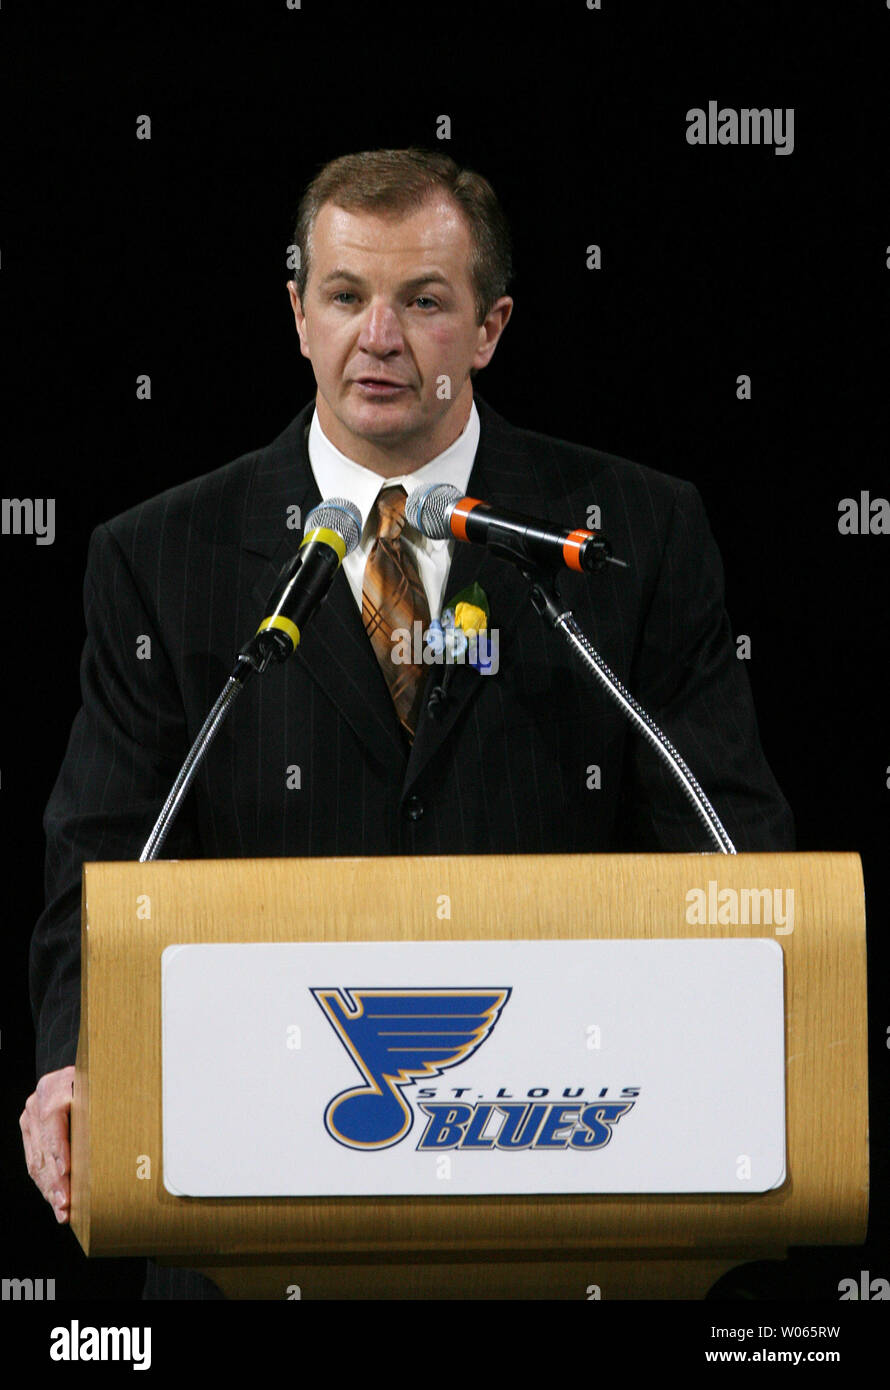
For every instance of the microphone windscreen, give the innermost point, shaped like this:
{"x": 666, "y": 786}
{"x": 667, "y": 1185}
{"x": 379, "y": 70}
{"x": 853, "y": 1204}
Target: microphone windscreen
{"x": 340, "y": 515}
{"x": 428, "y": 510}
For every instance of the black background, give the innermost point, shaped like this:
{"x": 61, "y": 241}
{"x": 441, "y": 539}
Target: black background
{"x": 167, "y": 257}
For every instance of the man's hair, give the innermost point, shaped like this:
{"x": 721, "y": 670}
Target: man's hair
{"x": 398, "y": 183}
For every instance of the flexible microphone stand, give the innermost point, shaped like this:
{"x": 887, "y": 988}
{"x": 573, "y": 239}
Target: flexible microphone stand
{"x": 546, "y": 601}
{"x": 196, "y": 755}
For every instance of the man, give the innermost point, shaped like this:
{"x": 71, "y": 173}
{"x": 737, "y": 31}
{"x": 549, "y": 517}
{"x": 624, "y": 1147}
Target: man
{"x": 399, "y": 301}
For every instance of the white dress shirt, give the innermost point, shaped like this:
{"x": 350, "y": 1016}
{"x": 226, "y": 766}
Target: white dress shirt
{"x": 339, "y": 476}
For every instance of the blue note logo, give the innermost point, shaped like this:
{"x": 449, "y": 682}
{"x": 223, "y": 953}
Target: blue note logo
{"x": 395, "y": 1036}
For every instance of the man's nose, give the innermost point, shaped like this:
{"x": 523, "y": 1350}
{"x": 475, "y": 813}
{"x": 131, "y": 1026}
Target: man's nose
{"x": 381, "y": 330}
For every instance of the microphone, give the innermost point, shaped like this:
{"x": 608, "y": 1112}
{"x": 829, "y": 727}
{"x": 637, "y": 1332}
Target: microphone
{"x": 332, "y": 531}
{"x": 440, "y": 512}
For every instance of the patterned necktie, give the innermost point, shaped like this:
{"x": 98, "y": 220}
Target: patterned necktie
{"x": 393, "y": 597}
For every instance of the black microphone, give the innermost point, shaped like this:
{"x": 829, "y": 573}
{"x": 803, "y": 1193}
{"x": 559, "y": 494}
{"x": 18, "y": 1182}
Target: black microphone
{"x": 332, "y": 531}
{"x": 440, "y": 512}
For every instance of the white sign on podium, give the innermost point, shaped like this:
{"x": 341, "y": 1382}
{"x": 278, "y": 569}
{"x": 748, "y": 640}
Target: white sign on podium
{"x": 473, "y": 1067}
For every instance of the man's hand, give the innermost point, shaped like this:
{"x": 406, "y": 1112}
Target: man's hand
{"x": 44, "y": 1124}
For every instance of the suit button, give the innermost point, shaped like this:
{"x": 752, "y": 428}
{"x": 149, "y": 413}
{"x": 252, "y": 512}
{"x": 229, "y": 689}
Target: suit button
{"x": 413, "y": 808}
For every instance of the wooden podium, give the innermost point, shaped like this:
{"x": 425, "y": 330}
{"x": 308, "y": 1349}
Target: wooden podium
{"x": 639, "y": 1246}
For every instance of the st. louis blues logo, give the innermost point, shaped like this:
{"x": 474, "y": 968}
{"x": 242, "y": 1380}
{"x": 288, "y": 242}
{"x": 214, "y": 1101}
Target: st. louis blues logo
{"x": 395, "y": 1036}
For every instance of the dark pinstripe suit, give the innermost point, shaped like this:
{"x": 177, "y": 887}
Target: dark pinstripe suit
{"x": 505, "y": 766}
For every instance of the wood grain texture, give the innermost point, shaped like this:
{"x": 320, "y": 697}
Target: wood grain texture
{"x": 117, "y": 1117}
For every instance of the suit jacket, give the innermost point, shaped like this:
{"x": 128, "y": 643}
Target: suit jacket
{"x": 507, "y": 765}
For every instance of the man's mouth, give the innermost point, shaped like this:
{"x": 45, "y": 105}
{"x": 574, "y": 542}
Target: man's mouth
{"x": 377, "y": 386}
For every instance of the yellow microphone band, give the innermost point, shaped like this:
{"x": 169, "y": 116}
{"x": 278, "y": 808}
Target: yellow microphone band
{"x": 331, "y": 538}
{"x": 286, "y": 626}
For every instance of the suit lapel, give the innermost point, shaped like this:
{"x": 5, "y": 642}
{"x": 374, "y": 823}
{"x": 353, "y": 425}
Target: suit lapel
{"x": 503, "y": 474}
{"x": 334, "y": 652}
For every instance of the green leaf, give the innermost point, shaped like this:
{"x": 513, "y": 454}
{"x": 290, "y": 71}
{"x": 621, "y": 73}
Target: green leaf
{"x": 473, "y": 593}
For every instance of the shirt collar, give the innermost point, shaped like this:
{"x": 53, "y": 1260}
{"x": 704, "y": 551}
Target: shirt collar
{"x": 336, "y": 475}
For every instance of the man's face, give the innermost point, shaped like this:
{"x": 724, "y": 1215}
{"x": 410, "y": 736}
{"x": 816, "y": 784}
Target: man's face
{"x": 389, "y": 325}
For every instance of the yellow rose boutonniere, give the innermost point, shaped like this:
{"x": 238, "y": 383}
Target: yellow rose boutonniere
{"x": 470, "y": 618}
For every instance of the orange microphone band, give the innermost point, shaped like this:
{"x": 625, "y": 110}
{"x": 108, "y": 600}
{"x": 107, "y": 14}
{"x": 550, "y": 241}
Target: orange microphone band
{"x": 571, "y": 549}
{"x": 460, "y": 512}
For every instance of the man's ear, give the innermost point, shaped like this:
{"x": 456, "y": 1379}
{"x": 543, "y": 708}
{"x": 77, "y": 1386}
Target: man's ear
{"x": 299, "y": 316}
{"x": 490, "y": 331}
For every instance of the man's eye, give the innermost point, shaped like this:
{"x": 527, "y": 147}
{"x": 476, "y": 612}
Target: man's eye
{"x": 424, "y": 300}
